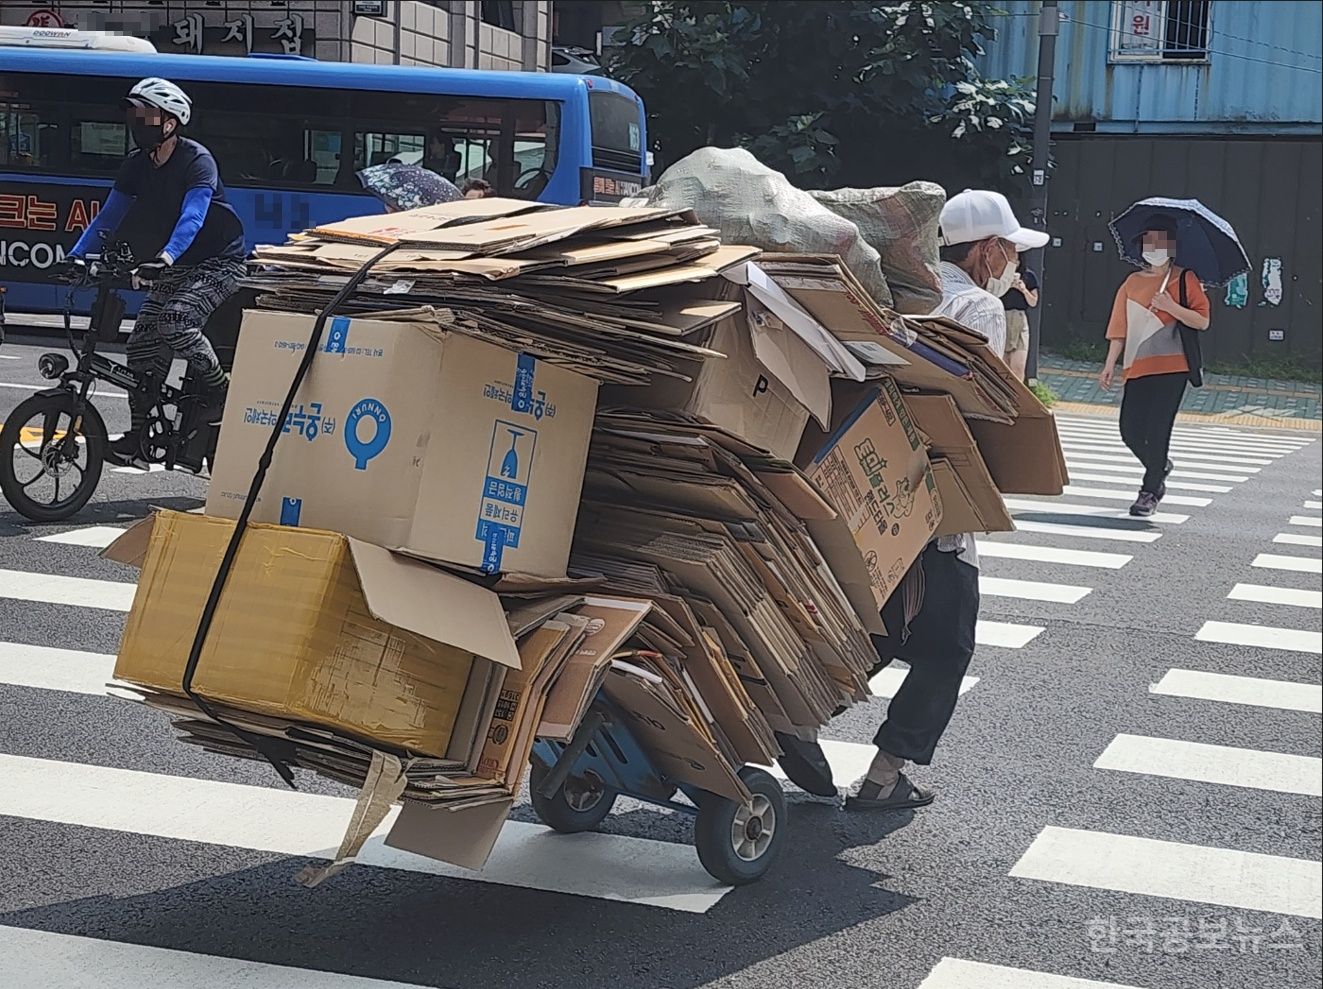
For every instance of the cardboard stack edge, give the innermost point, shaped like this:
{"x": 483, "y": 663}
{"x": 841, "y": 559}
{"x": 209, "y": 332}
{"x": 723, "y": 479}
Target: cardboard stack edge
{"x": 548, "y": 455}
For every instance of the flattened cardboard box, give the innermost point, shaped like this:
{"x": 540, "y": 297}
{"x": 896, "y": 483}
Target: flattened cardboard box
{"x": 423, "y": 441}
{"x": 970, "y": 499}
{"x": 313, "y": 627}
{"x": 874, "y": 471}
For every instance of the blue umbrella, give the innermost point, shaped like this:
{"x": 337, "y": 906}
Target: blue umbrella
{"x": 1205, "y": 243}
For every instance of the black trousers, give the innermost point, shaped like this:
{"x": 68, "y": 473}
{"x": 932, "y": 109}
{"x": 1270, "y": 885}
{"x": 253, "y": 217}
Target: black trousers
{"x": 1148, "y": 412}
{"x": 938, "y": 649}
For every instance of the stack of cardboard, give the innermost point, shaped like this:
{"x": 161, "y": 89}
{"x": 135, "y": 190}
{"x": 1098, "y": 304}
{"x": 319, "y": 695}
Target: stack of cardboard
{"x": 412, "y": 604}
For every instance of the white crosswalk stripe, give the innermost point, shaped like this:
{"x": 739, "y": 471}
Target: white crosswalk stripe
{"x": 885, "y": 683}
{"x": 46, "y": 668}
{"x": 1180, "y": 444}
{"x": 1006, "y": 635}
{"x": 1018, "y": 505}
{"x": 20, "y": 585}
{"x": 1032, "y": 590}
{"x": 1261, "y": 636}
{"x": 1052, "y": 554}
{"x": 288, "y": 822}
{"x": 954, "y": 973}
{"x": 1116, "y": 466}
{"x": 1309, "y": 520}
{"x": 53, "y": 960}
{"x": 1277, "y": 595}
{"x": 1178, "y": 456}
{"x": 1315, "y": 505}
{"x": 1127, "y": 459}
{"x": 1076, "y": 491}
{"x": 94, "y": 536}
{"x": 1082, "y": 531}
{"x": 1295, "y": 539}
{"x": 1171, "y": 484}
{"x": 1176, "y": 759}
{"x": 849, "y": 762}
{"x": 1296, "y": 564}
{"x": 1231, "y": 689}
{"x": 1111, "y": 430}
{"x": 1174, "y": 870}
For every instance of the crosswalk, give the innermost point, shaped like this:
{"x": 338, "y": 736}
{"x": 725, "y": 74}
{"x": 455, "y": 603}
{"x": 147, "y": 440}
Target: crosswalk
{"x": 1060, "y": 555}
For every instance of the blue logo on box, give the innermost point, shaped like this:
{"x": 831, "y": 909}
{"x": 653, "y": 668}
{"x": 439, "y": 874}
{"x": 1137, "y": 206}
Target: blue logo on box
{"x": 290, "y": 511}
{"x": 364, "y": 450}
{"x": 505, "y": 490}
{"x": 337, "y": 336}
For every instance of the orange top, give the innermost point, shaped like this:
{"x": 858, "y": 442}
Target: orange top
{"x": 1155, "y": 349}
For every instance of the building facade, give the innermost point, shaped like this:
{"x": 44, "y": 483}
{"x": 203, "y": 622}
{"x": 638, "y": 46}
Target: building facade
{"x": 473, "y": 34}
{"x": 1219, "y": 100}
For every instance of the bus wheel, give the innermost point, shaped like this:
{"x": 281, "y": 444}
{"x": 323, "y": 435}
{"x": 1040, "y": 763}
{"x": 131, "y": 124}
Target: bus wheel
{"x": 50, "y": 459}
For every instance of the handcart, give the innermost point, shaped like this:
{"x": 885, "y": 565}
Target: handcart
{"x": 574, "y": 786}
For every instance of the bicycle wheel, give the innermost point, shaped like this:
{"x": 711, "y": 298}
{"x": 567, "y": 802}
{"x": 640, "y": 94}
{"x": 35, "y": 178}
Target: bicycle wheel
{"x": 50, "y": 458}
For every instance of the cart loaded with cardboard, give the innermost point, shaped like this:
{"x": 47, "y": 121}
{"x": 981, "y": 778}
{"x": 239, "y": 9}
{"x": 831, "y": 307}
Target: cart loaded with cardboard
{"x": 586, "y": 488}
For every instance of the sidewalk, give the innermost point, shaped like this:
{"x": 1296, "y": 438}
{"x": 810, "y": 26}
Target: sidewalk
{"x": 1231, "y": 399}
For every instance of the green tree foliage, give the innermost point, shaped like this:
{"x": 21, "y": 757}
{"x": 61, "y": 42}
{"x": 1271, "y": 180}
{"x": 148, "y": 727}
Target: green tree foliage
{"x": 832, "y": 94}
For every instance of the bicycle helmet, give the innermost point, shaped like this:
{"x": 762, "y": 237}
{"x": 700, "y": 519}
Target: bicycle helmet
{"x": 164, "y": 96}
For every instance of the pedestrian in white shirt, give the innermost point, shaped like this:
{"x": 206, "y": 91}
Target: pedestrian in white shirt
{"x": 932, "y": 614}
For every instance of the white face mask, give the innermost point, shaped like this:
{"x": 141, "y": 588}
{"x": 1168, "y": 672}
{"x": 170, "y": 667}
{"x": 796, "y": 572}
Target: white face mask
{"x": 999, "y": 285}
{"x": 1156, "y": 257}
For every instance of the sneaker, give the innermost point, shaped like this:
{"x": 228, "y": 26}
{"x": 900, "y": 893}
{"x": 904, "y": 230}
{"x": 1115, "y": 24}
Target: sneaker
{"x": 1162, "y": 490}
{"x": 127, "y": 452}
{"x": 1145, "y": 505}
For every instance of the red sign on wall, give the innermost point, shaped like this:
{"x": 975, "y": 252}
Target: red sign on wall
{"x": 45, "y": 18}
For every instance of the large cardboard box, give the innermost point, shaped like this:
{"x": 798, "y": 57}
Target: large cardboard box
{"x": 970, "y": 499}
{"x": 313, "y": 626}
{"x": 427, "y": 442}
{"x": 873, "y": 469}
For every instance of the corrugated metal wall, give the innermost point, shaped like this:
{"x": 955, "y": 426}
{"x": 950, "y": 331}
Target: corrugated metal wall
{"x": 1264, "y": 71}
{"x": 1271, "y": 190}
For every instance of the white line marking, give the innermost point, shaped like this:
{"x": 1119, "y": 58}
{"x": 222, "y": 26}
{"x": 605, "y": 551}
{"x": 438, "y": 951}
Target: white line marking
{"x": 1110, "y": 427}
{"x": 1201, "y": 874}
{"x": 1261, "y": 636}
{"x": 288, "y": 822}
{"x": 1201, "y": 763}
{"x": 151, "y": 469}
{"x": 1315, "y": 505}
{"x": 68, "y": 961}
{"x": 1309, "y": 520}
{"x": 1098, "y": 511}
{"x": 42, "y": 588}
{"x": 9, "y": 357}
{"x": 95, "y": 536}
{"x": 1089, "y": 463}
{"x": 1032, "y": 590}
{"x": 55, "y": 669}
{"x": 1172, "y": 485}
{"x": 1084, "y": 531}
{"x": 1005, "y": 635}
{"x": 954, "y": 973}
{"x": 1253, "y": 691}
{"x": 1075, "y": 491}
{"x": 1053, "y": 554}
{"x": 1295, "y": 539}
{"x": 1127, "y": 459}
{"x": 1178, "y": 456}
{"x": 1296, "y": 564}
{"x": 1277, "y": 595}
{"x": 849, "y": 761}
{"x": 1210, "y": 447}
{"x": 885, "y": 683}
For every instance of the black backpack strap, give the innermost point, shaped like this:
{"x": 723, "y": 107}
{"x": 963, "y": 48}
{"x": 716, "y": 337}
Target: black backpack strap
{"x": 1184, "y": 300}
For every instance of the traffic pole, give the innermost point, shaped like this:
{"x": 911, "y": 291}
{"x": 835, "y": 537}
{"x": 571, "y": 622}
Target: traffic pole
{"x": 1048, "y": 24}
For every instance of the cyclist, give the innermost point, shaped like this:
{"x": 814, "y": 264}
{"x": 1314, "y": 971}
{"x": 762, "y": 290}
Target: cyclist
{"x": 169, "y": 193}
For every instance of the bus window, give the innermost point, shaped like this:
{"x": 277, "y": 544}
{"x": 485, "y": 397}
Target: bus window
{"x": 617, "y": 132}
{"x": 28, "y": 136}
{"x": 98, "y": 145}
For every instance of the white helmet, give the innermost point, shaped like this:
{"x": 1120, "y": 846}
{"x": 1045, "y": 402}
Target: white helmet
{"x": 164, "y": 95}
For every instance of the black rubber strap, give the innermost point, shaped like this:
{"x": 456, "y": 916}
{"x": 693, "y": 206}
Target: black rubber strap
{"x": 277, "y": 751}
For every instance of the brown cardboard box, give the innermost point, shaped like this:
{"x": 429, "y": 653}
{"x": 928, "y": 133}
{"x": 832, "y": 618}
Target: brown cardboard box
{"x": 764, "y": 391}
{"x": 874, "y": 471}
{"x": 313, "y": 626}
{"x": 970, "y": 499}
{"x": 428, "y": 442}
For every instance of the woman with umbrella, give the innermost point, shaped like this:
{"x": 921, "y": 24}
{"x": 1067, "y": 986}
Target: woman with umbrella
{"x": 1156, "y": 318}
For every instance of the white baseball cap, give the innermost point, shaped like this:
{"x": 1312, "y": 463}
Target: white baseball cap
{"x": 978, "y": 214}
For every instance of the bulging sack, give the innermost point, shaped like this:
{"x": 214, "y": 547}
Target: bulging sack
{"x": 901, "y": 225}
{"x": 731, "y": 190}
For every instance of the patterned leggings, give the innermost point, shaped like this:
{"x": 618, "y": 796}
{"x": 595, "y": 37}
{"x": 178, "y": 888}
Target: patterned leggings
{"x": 171, "y": 320}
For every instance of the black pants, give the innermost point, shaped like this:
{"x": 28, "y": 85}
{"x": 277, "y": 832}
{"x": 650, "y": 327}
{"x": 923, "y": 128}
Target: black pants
{"x": 939, "y": 647}
{"x": 1148, "y": 412}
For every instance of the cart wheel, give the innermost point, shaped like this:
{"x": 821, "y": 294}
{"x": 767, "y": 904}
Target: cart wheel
{"x": 579, "y": 805}
{"x": 737, "y": 843}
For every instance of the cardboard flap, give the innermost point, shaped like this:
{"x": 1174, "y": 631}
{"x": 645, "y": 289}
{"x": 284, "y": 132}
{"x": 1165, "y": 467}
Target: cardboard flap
{"x": 434, "y": 604}
{"x": 791, "y": 361}
{"x": 131, "y": 548}
{"x": 463, "y": 836}
{"x": 823, "y": 342}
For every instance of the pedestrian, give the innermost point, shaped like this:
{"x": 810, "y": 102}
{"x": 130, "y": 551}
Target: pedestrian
{"x": 478, "y": 189}
{"x": 1022, "y": 297}
{"x": 1150, "y": 307}
{"x": 931, "y": 615}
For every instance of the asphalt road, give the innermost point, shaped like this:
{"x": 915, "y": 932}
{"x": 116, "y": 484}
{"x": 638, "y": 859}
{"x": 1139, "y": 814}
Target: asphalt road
{"x": 1089, "y": 825}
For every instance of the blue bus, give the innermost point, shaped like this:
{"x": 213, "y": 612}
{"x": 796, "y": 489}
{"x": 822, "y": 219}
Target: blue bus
{"x": 289, "y": 134}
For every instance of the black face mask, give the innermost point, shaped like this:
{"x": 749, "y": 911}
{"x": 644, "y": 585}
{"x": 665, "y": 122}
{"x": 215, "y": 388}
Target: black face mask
{"x": 147, "y": 136}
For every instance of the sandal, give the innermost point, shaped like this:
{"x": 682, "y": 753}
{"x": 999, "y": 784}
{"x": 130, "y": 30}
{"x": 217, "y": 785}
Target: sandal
{"x": 905, "y": 796}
